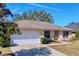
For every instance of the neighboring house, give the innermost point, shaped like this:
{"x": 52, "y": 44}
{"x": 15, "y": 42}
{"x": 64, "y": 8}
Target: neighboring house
{"x": 74, "y": 26}
{"x": 33, "y": 30}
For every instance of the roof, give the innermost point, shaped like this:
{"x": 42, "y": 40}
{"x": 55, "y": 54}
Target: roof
{"x": 74, "y": 26}
{"x": 27, "y": 24}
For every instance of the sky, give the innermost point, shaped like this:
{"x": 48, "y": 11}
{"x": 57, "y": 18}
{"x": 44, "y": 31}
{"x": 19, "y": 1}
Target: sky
{"x": 63, "y": 13}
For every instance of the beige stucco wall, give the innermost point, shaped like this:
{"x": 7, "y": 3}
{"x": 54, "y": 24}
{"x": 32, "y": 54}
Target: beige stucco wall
{"x": 72, "y": 35}
{"x": 52, "y": 34}
{"x": 60, "y": 35}
{"x": 65, "y": 38}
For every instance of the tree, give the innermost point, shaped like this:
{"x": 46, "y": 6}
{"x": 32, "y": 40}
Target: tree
{"x": 6, "y": 28}
{"x": 40, "y": 15}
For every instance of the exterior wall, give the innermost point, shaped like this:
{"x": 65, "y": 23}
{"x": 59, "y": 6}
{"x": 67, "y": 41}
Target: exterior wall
{"x": 52, "y": 35}
{"x": 64, "y": 38}
{"x": 72, "y": 35}
{"x": 60, "y": 36}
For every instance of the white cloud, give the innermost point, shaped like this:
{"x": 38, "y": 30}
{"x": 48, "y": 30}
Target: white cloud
{"x": 43, "y": 6}
{"x": 38, "y": 5}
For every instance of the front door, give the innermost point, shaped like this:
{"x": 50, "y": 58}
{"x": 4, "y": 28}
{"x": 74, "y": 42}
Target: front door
{"x": 47, "y": 34}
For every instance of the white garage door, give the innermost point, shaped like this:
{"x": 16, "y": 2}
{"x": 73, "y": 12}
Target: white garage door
{"x": 29, "y": 37}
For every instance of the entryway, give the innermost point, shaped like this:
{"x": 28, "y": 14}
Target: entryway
{"x": 47, "y": 34}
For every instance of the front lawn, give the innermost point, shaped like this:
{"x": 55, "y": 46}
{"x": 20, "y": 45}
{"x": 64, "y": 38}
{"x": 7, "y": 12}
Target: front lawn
{"x": 6, "y": 51}
{"x": 68, "y": 49}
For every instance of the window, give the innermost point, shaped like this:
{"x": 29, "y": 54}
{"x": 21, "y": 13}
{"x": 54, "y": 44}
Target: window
{"x": 65, "y": 34}
{"x": 47, "y": 34}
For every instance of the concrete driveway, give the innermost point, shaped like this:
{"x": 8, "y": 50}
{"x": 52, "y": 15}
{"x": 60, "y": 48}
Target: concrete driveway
{"x": 30, "y": 49}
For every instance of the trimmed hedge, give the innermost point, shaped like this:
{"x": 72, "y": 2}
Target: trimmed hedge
{"x": 0, "y": 52}
{"x": 44, "y": 40}
{"x": 77, "y": 34}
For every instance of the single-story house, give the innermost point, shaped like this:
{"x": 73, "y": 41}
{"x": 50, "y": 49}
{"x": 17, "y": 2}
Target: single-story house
{"x": 31, "y": 31}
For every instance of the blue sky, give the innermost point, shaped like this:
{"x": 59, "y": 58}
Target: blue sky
{"x": 63, "y": 13}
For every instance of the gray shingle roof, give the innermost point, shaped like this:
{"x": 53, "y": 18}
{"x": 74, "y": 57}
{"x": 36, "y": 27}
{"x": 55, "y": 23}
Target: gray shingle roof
{"x": 74, "y": 26}
{"x": 27, "y": 24}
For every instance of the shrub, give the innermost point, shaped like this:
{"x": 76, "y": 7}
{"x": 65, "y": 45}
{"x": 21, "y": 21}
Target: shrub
{"x": 0, "y": 52}
{"x": 77, "y": 34}
{"x": 1, "y": 41}
{"x": 5, "y": 40}
{"x": 43, "y": 40}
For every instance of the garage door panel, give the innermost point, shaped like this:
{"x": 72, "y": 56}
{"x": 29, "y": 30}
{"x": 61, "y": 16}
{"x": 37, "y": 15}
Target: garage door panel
{"x": 26, "y": 38}
{"x": 25, "y": 42}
